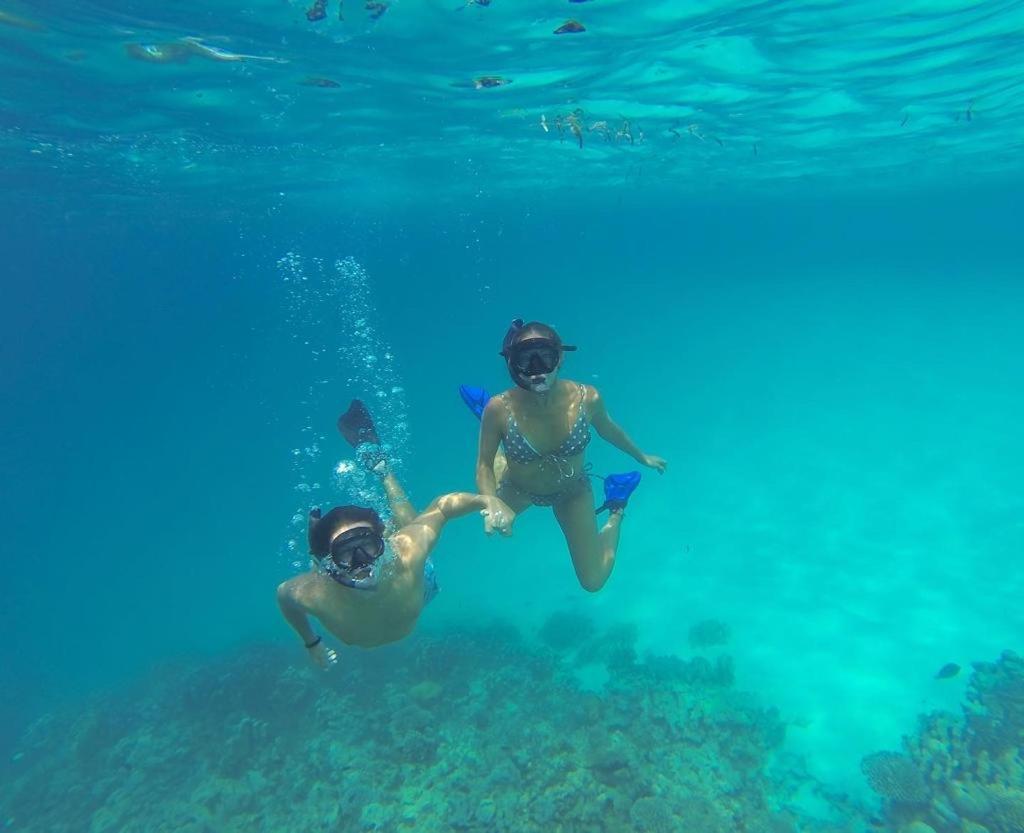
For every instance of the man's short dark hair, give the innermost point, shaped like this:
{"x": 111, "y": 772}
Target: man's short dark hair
{"x": 322, "y": 528}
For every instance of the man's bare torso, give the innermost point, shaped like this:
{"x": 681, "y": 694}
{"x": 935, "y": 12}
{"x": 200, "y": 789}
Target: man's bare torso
{"x": 366, "y": 618}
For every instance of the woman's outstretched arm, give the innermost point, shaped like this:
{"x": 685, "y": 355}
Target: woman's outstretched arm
{"x": 614, "y": 434}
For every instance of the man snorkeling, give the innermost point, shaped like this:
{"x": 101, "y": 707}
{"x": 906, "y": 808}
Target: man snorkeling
{"x": 533, "y": 442}
{"x": 368, "y": 587}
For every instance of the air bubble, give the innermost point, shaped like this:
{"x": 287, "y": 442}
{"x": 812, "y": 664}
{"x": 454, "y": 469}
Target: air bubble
{"x": 330, "y": 309}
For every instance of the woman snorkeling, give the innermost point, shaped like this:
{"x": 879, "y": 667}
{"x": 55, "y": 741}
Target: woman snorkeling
{"x": 543, "y": 426}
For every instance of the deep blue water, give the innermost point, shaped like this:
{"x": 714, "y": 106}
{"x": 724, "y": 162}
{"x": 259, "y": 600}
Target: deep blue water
{"x": 157, "y": 385}
{"x": 826, "y": 347}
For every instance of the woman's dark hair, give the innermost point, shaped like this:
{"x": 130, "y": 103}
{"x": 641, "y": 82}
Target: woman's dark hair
{"x": 535, "y": 329}
{"x": 322, "y": 528}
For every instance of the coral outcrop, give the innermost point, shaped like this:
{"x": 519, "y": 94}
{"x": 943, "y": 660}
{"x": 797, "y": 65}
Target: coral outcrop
{"x": 961, "y": 773}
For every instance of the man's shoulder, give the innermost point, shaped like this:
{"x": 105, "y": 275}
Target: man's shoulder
{"x": 307, "y": 589}
{"x": 403, "y": 540}
{"x": 408, "y": 543}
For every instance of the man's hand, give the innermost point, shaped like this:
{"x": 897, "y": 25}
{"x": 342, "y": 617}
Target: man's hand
{"x": 321, "y": 656}
{"x": 497, "y": 515}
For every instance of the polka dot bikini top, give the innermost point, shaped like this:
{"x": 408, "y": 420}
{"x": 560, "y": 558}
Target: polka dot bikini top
{"x": 520, "y": 450}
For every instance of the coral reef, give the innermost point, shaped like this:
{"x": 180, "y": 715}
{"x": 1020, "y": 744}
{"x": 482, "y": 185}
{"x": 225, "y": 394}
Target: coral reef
{"x": 467, "y": 730}
{"x": 709, "y": 632}
{"x": 961, "y": 774}
{"x": 895, "y": 777}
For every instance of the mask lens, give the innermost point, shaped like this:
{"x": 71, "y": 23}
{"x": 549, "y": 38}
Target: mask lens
{"x": 356, "y": 548}
{"x": 536, "y": 359}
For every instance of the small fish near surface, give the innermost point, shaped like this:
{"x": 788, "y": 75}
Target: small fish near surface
{"x": 570, "y": 27}
{"x": 375, "y": 10}
{"x": 486, "y": 82}
{"x": 184, "y": 50}
{"x": 948, "y": 671}
{"x": 318, "y": 11}
{"x": 314, "y": 81}
{"x": 9, "y": 19}
{"x": 159, "y": 53}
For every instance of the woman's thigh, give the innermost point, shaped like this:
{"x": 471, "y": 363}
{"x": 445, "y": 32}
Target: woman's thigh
{"x": 575, "y": 515}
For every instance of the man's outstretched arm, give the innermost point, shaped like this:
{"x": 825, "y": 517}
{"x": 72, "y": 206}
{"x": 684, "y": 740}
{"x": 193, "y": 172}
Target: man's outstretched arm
{"x": 414, "y": 541}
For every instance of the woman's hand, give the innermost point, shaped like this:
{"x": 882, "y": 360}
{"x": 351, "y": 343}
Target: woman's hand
{"x": 497, "y": 515}
{"x": 321, "y": 656}
{"x": 652, "y": 461}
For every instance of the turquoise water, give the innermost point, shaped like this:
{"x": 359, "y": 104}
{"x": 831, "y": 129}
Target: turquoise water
{"x": 789, "y": 252}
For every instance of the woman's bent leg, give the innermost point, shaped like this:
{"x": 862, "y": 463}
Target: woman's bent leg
{"x": 592, "y": 552}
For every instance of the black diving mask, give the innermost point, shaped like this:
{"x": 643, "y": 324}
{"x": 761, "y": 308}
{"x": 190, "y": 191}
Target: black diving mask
{"x": 532, "y": 360}
{"x": 353, "y": 556}
{"x": 535, "y": 356}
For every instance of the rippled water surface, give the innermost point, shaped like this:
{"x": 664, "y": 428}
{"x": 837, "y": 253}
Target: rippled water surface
{"x": 687, "y": 95}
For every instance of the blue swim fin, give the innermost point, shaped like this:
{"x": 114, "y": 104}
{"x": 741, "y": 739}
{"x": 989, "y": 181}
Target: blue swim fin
{"x": 476, "y": 399}
{"x": 617, "y": 489}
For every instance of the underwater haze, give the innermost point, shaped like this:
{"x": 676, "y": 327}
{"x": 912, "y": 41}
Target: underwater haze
{"x": 786, "y": 240}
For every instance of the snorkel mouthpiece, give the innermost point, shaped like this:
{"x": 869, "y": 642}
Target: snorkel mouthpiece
{"x": 369, "y": 581}
{"x": 541, "y": 383}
